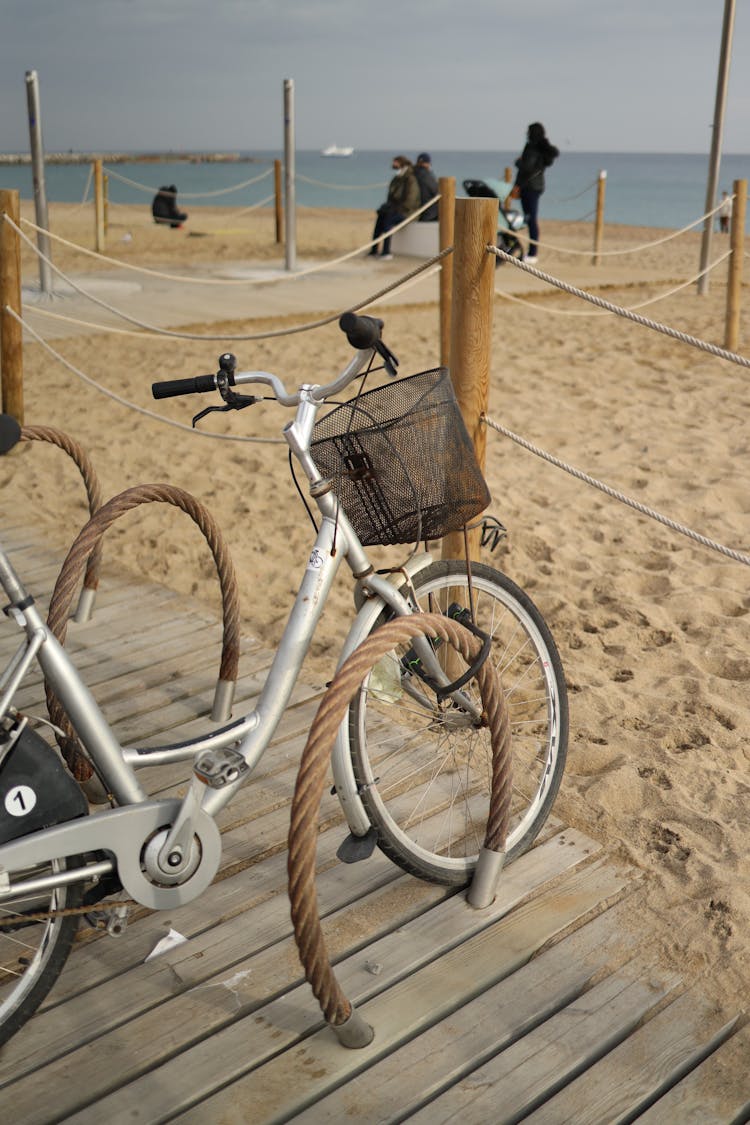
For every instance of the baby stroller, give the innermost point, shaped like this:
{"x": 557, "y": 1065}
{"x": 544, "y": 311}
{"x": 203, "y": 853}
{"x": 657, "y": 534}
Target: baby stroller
{"x": 508, "y": 221}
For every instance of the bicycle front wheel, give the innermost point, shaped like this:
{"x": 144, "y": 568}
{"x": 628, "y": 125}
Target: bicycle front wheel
{"x": 35, "y": 940}
{"x": 424, "y": 767}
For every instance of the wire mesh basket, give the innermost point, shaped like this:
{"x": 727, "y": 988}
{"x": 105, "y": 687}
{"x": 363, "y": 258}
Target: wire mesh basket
{"x": 402, "y": 461}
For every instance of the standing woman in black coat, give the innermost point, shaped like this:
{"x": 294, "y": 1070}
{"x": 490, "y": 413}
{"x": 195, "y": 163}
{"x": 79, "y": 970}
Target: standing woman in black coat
{"x": 537, "y": 155}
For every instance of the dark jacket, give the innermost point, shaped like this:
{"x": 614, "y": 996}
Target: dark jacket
{"x": 535, "y": 157}
{"x": 403, "y": 193}
{"x": 428, "y": 189}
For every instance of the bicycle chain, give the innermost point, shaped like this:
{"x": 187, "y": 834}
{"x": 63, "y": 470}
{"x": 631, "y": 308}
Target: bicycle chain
{"x": 67, "y": 912}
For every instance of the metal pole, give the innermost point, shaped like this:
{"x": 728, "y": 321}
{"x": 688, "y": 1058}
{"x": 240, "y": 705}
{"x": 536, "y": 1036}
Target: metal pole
{"x": 37, "y": 167}
{"x": 718, "y": 126}
{"x": 290, "y": 216}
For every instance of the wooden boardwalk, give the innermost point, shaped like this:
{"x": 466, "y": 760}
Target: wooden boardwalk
{"x": 539, "y": 1008}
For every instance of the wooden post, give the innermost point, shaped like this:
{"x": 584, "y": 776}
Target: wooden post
{"x": 446, "y": 215}
{"x": 734, "y": 279}
{"x": 11, "y": 333}
{"x": 105, "y": 195}
{"x": 277, "y": 194}
{"x": 599, "y": 221}
{"x": 509, "y": 175}
{"x": 99, "y": 206}
{"x": 473, "y": 296}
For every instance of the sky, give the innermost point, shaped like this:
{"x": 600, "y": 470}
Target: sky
{"x": 160, "y": 75}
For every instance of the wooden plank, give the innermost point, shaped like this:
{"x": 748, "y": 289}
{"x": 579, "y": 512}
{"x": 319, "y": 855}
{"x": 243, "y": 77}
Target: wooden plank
{"x": 204, "y": 1010}
{"x": 715, "y": 1093}
{"x": 461, "y": 1048}
{"x": 529, "y": 1072}
{"x": 409, "y": 1007}
{"x": 643, "y": 1067}
{"x": 131, "y": 995}
{"x": 418, "y": 991}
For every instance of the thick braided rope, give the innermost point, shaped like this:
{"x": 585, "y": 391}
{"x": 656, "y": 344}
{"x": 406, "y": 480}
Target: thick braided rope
{"x": 82, "y": 547}
{"x": 90, "y": 481}
{"x": 644, "y": 321}
{"x": 636, "y": 505}
{"x": 310, "y": 779}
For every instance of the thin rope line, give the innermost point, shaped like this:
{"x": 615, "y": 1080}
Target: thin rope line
{"x": 631, "y": 308}
{"x": 712, "y": 349}
{"x": 737, "y": 556}
{"x": 632, "y": 249}
{"x": 570, "y": 198}
{"x": 193, "y": 195}
{"x": 152, "y": 331}
{"x": 131, "y": 405}
{"x": 340, "y": 187}
{"x": 214, "y": 280}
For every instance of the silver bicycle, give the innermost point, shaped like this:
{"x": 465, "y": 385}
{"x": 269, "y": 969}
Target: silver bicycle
{"x": 411, "y": 763}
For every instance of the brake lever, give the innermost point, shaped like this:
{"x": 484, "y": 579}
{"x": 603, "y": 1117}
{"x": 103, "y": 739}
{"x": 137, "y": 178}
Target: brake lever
{"x": 390, "y": 361}
{"x": 232, "y": 401}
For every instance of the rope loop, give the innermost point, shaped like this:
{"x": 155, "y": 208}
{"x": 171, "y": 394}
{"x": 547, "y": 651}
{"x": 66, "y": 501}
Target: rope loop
{"x": 90, "y": 480}
{"x": 86, "y": 542}
{"x": 309, "y": 784}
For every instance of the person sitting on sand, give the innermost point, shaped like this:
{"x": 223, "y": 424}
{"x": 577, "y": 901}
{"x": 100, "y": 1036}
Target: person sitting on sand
{"x": 164, "y": 207}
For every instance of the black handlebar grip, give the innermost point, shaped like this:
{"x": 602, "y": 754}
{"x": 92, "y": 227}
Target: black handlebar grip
{"x": 172, "y": 387}
{"x": 361, "y": 331}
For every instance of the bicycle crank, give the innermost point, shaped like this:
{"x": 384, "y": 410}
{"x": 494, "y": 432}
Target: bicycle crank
{"x": 135, "y": 836}
{"x": 151, "y": 883}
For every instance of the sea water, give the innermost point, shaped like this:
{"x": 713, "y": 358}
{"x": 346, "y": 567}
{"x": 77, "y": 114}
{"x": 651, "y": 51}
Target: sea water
{"x": 642, "y": 189}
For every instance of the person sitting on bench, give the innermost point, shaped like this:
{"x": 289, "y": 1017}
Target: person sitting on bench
{"x": 164, "y": 207}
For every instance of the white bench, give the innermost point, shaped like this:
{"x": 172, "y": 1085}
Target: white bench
{"x": 417, "y": 240}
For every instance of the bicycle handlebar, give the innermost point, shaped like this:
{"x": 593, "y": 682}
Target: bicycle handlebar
{"x": 172, "y": 387}
{"x": 362, "y": 332}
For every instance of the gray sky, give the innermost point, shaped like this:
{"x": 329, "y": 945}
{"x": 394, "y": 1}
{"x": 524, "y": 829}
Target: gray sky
{"x": 603, "y": 75}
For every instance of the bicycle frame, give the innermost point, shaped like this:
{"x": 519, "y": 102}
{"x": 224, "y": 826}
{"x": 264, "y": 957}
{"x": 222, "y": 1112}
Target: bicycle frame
{"x": 225, "y": 759}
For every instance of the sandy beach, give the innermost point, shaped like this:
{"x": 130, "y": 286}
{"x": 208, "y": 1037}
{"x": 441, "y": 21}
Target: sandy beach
{"x": 653, "y": 630}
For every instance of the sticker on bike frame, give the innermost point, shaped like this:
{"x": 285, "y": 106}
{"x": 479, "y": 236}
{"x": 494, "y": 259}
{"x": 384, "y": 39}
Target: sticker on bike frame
{"x": 20, "y": 800}
{"x": 316, "y": 560}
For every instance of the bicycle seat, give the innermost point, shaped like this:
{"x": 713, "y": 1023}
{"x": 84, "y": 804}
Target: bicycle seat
{"x": 10, "y": 432}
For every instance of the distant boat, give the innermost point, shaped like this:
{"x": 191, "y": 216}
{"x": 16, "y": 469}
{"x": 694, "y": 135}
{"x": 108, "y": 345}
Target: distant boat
{"x": 337, "y": 150}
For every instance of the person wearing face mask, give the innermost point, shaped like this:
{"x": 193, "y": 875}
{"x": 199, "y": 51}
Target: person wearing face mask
{"x": 403, "y": 200}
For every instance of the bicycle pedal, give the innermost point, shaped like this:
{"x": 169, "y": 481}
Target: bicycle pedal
{"x": 117, "y": 923}
{"x": 356, "y": 848}
{"x": 217, "y": 768}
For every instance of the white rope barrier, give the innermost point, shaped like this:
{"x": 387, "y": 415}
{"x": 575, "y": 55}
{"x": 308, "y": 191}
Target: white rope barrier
{"x": 151, "y": 330}
{"x": 144, "y": 334}
{"x": 140, "y": 269}
{"x": 570, "y": 198}
{"x": 339, "y": 187}
{"x": 702, "y": 345}
{"x": 123, "y": 401}
{"x": 192, "y": 195}
{"x": 632, "y": 249}
{"x": 218, "y": 280}
{"x": 729, "y": 552}
{"x": 608, "y": 312}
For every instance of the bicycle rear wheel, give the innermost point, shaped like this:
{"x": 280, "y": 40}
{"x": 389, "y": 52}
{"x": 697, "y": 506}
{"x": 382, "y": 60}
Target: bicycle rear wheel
{"x": 33, "y": 950}
{"x": 424, "y": 768}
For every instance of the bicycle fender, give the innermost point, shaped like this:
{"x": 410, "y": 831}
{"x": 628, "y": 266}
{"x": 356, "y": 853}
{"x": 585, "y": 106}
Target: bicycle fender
{"x": 341, "y": 763}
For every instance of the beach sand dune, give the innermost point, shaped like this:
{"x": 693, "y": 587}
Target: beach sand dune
{"x": 653, "y": 629}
